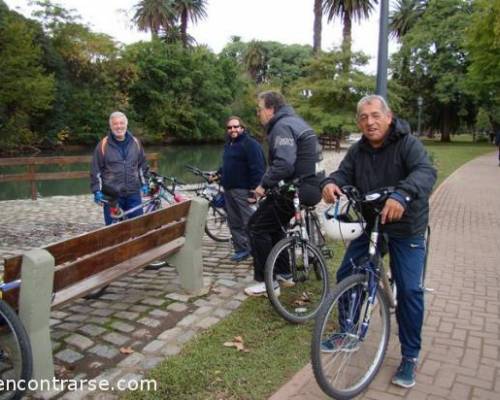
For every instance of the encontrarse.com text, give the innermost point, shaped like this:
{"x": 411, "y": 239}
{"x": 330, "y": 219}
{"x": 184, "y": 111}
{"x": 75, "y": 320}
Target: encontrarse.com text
{"x": 73, "y": 385}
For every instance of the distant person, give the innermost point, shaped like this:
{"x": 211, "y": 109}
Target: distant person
{"x": 119, "y": 166}
{"x": 243, "y": 165}
{"x": 497, "y": 141}
{"x": 388, "y": 155}
{"x": 294, "y": 152}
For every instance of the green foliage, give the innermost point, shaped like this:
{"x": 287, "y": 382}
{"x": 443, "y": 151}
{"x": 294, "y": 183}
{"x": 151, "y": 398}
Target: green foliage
{"x": 327, "y": 97}
{"x": 483, "y": 44}
{"x": 179, "y": 93}
{"x": 432, "y": 62}
{"x": 26, "y": 90}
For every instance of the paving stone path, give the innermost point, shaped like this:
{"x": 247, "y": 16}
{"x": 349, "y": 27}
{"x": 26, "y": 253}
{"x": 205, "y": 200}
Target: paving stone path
{"x": 461, "y": 350}
{"x": 142, "y": 318}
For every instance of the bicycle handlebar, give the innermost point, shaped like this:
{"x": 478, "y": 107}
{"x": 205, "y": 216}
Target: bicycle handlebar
{"x": 196, "y": 171}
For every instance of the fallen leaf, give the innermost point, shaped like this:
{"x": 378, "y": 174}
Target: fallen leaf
{"x": 126, "y": 350}
{"x": 237, "y": 343}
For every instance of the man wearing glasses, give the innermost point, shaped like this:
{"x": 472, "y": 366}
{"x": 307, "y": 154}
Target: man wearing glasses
{"x": 243, "y": 165}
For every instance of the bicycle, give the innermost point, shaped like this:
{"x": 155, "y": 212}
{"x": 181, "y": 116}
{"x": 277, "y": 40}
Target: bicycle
{"x": 16, "y": 360}
{"x": 355, "y": 318}
{"x": 305, "y": 287}
{"x": 216, "y": 226}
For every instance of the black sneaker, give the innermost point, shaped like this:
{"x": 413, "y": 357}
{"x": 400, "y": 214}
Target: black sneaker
{"x": 405, "y": 375}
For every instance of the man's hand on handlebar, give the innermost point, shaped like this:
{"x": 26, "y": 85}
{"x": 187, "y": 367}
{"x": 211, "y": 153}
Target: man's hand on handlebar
{"x": 213, "y": 177}
{"x": 393, "y": 211}
{"x": 331, "y": 192}
{"x": 259, "y": 192}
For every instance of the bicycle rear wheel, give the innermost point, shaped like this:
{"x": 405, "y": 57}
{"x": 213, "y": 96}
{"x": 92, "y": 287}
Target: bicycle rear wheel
{"x": 306, "y": 286}
{"x": 16, "y": 361}
{"x": 216, "y": 226}
{"x": 343, "y": 363}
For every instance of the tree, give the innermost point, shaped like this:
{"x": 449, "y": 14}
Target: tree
{"x": 26, "y": 90}
{"x": 483, "y": 44}
{"x": 437, "y": 65}
{"x": 193, "y": 10}
{"x": 405, "y": 15}
{"x": 155, "y": 16}
{"x": 179, "y": 94}
{"x": 318, "y": 16}
{"x": 347, "y": 11}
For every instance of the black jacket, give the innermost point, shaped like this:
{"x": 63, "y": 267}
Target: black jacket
{"x": 123, "y": 169}
{"x": 294, "y": 151}
{"x": 402, "y": 162}
{"x": 243, "y": 163}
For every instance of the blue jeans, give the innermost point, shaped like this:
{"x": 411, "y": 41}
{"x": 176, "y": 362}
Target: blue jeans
{"x": 407, "y": 257}
{"x": 126, "y": 203}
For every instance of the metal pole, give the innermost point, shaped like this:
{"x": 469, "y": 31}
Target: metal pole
{"x": 383, "y": 37}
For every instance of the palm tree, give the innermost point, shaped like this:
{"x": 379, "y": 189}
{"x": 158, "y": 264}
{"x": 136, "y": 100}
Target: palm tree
{"x": 255, "y": 60}
{"x": 347, "y": 10}
{"x": 318, "y": 15}
{"x": 154, "y": 15}
{"x": 193, "y": 10}
{"x": 406, "y": 13}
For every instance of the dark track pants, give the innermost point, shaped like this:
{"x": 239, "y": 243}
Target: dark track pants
{"x": 265, "y": 230}
{"x": 407, "y": 257}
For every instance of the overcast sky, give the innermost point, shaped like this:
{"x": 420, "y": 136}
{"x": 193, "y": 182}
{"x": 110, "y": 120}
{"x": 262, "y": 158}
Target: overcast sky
{"x": 285, "y": 21}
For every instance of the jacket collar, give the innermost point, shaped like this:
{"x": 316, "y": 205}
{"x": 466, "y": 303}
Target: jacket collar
{"x": 285, "y": 111}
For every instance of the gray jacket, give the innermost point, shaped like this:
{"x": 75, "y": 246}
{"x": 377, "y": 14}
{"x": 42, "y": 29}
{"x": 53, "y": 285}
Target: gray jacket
{"x": 121, "y": 168}
{"x": 294, "y": 150}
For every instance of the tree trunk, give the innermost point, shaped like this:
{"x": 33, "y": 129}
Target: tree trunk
{"x": 318, "y": 15}
{"x": 446, "y": 125}
{"x": 347, "y": 42}
{"x": 184, "y": 24}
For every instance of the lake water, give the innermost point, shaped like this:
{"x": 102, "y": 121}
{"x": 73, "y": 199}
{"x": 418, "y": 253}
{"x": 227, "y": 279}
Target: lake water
{"x": 172, "y": 163}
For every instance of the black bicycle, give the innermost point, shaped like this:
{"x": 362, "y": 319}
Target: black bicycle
{"x": 305, "y": 286}
{"x": 16, "y": 360}
{"x": 352, "y": 328}
{"x": 216, "y": 226}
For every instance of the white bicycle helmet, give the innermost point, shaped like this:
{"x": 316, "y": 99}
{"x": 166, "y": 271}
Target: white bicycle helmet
{"x": 341, "y": 222}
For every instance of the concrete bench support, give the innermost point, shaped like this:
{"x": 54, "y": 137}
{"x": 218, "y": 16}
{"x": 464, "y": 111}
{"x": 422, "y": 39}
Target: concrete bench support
{"x": 188, "y": 260}
{"x": 37, "y": 276}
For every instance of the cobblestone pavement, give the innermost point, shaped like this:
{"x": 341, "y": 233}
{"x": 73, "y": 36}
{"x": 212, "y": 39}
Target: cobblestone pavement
{"x": 145, "y": 312}
{"x": 461, "y": 350}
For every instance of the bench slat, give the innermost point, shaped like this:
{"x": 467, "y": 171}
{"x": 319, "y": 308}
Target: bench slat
{"x": 90, "y": 242}
{"x": 70, "y": 273}
{"x": 107, "y": 276}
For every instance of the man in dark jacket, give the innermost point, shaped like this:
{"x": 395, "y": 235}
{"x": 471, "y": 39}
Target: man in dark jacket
{"x": 388, "y": 155}
{"x": 294, "y": 152}
{"x": 243, "y": 165}
{"x": 119, "y": 166}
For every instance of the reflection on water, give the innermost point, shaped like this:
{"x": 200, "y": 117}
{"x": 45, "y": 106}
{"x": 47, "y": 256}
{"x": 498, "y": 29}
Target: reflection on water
{"x": 171, "y": 163}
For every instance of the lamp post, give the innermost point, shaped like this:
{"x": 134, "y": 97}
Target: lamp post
{"x": 420, "y": 101}
{"x": 383, "y": 38}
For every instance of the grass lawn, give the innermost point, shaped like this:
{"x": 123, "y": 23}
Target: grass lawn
{"x": 205, "y": 369}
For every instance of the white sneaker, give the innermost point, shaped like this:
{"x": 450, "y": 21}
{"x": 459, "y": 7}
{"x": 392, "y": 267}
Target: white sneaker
{"x": 259, "y": 289}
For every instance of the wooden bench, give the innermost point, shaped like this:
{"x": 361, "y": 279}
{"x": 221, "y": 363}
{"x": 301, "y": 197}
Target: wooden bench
{"x": 69, "y": 269}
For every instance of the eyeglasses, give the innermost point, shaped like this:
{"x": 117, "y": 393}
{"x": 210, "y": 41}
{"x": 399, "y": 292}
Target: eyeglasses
{"x": 229, "y": 127}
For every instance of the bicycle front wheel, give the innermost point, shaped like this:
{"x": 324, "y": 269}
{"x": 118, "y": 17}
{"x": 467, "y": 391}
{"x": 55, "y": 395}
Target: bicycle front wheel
{"x": 345, "y": 359}
{"x": 301, "y": 272}
{"x": 216, "y": 226}
{"x": 16, "y": 362}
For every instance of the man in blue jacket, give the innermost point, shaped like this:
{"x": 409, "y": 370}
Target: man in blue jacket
{"x": 388, "y": 155}
{"x": 243, "y": 165}
{"x": 119, "y": 166}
